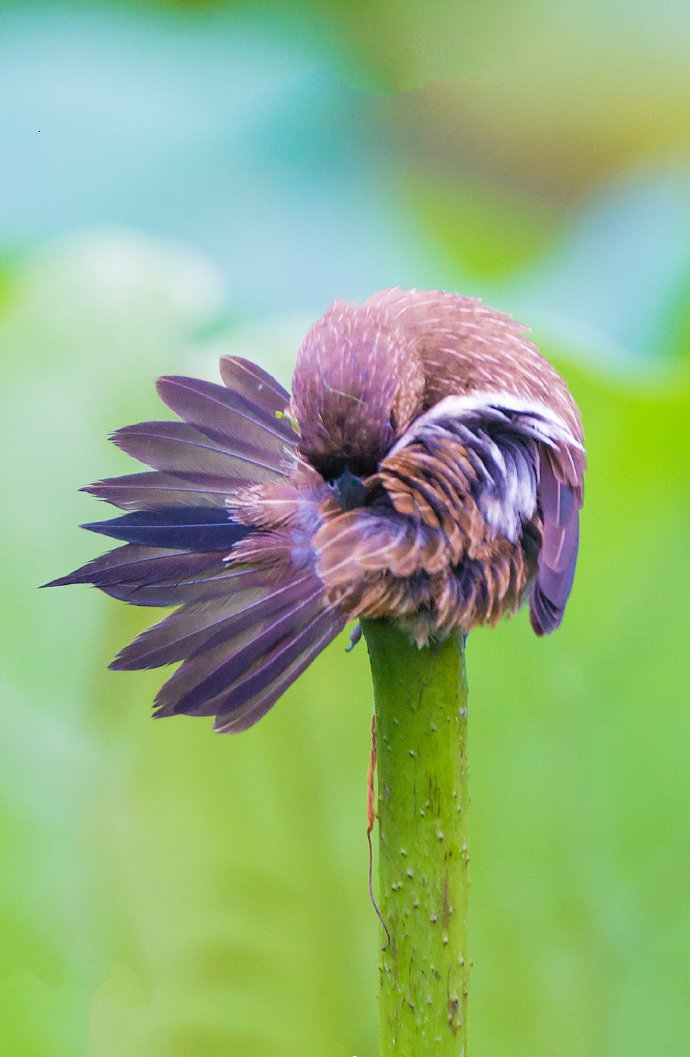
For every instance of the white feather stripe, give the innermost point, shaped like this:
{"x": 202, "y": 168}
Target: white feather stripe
{"x": 553, "y": 429}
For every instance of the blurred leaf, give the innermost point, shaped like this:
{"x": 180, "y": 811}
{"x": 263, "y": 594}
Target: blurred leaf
{"x": 483, "y": 232}
{"x": 621, "y": 271}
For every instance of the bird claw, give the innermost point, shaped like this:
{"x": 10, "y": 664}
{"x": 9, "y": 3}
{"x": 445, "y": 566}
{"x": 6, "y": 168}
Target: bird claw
{"x": 355, "y": 636}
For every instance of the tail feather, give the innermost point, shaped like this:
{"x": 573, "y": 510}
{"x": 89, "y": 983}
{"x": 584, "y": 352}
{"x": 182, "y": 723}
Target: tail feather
{"x": 134, "y": 564}
{"x": 224, "y": 416}
{"x": 197, "y": 627}
{"x": 190, "y": 528}
{"x": 186, "y": 584}
{"x": 204, "y": 676}
{"x": 178, "y": 447}
{"x": 253, "y": 383}
{"x": 149, "y": 491}
{"x": 233, "y": 717}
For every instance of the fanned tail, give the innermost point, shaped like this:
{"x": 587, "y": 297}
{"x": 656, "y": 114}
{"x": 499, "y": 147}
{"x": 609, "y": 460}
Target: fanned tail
{"x": 246, "y": 628}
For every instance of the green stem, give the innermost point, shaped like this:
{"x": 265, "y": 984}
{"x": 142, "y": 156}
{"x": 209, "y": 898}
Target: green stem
{"x": 421, "y": 738}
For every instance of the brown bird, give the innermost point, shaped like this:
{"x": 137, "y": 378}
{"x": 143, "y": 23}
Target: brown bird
{"x": 427, "y": 468}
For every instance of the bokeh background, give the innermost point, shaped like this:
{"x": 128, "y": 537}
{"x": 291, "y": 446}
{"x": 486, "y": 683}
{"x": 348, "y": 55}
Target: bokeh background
{"x": 180, "y": 180}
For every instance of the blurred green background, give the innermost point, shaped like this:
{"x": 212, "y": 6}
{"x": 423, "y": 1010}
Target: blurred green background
{"x": 182, "y": 180}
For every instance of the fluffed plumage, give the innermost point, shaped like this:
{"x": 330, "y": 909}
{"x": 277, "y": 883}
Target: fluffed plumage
{"x": 427, "y": 467}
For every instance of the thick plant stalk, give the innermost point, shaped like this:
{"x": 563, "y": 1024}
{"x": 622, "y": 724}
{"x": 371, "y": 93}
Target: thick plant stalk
{"x": 421, "y": 738}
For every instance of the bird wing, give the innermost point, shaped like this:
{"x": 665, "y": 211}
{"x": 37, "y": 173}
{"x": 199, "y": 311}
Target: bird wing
{"x": 527, "y": 461}
{"x": 482, "y": 484}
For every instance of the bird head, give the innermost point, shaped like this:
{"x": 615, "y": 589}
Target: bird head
{"x": 358, "y": 384}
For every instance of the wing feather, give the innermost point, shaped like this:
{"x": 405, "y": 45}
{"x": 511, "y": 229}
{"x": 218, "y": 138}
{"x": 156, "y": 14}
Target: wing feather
{"x": 149, "y": 491}
{"x": 253, "y": 383}
{"x": 204, "y": 676}
{"x": 196, "y": 627}
{"x": 277, "y": 677}
{"x": 200, "y": 528}
{"x": 225, "y": 416}
{"x": 177, "y": 447}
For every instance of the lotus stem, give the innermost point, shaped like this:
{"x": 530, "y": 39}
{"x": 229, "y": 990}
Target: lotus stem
{"x": 420, "y": 698}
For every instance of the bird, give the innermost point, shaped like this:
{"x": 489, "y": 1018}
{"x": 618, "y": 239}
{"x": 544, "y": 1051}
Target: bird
{"x": 426, "y": 468}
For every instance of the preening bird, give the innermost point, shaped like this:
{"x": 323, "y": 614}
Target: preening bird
{"x": 426, "y": 468}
